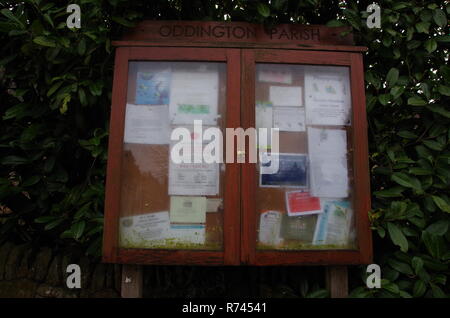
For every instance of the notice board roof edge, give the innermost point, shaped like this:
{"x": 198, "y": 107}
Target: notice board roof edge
{"x": 309, "y": 47}
{"x": 239, "y": 35}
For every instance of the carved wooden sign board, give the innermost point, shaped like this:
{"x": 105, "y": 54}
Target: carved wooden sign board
{"x": 182, "y": 91}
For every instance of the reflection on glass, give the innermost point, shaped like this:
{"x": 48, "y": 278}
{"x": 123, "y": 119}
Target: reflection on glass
{"x": 307, "y": 203}
{"x": 167, "y": 204}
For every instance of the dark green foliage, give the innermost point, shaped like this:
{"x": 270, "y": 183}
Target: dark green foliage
{"x": 55, "y": 94}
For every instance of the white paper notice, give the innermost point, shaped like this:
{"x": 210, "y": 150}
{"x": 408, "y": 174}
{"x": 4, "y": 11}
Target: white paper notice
{"x": 194, "y": 95}
{"x": 269, "y": 228}
{"x": 328, "y": 162}
{"x": 274, "y": 75}
{"x": 327, "y": 95}
{"x": 286, "y": 95}
{"x": 147, "y": 124}
{"x": 188, "y": 233}
{"x": 195, "y": 178}
{"x": 264, "y": 119}
{"x": 334, "y": 224}
{"x": 144, "y": 230}
{"x": 289, "y": 118}
{"x": 263, "y": 115}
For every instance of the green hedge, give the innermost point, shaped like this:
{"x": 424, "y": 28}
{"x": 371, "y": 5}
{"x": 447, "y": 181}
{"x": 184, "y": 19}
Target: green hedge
{"x": 56, "y": 92}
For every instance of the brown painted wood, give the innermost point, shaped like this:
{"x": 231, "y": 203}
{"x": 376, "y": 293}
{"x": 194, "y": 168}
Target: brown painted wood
{"x": 248, "y": 193}
{"x": 299, "y": 47}
{"x": 337, "y": 281}
{"x": 128, "y": 188}
{"x": 170, "y": 257}
{"x": 357, "y": 149}
{"x": 361, "y": 159}
{"x": 239, "y": 215}
{"x": 132, "y": 281}
{"x": 231, "y": 228}
{"x": 115, "y": 145}
{"x": 238, "y": 33}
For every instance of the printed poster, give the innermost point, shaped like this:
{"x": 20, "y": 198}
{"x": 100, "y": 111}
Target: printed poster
{"x": 194, "y": 178}
{"x": 302, "y": 203}
{"x": 292, "y": 170}
{"x": 194, "y": 96}
{"x": 299, "y": 228}
{"x": 286, "y": 95}
{"x": 327, "y": 95}
{"x": 187, "y": 209}
{"x": 153, "y": 87}
{"x": 187, "y": 233}
{"x": 147, "y": 124}
{"x": 144, "y": 230}
{"x": 269, "y": 228}
{"x": 289, "y": 118}
{"x": 328, "y": 162}
{"x": 333, "y": 225}
{"x": 274, "y": 74}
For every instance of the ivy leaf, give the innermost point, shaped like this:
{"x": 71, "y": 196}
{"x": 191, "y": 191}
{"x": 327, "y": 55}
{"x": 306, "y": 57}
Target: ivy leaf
{"x": 417, "y": 264}
{"x": 400, "y": 266}
{"x": 392, "y": 77}
{"x": 389, "y": 193}
{"x": 8, "y": 13}
{"x": 439, "y": 17}
{"x": 44, "y": 41}
{"x": 430, "y": 45}
{"x": 263, "y": 10}
{"x": 440, "y": 110}
{"x": 77, "y": 229}
{"x": 422, "y": 27}
{"x": 441, "y": 203}
{"x": 419, "y": 288}
{"x": 416, "y": 101}
{"x": 438, "y": 228}
{"x": 406, "y": 181}
{"x": 397, "y": 237}
{"x": 444, "y": 90}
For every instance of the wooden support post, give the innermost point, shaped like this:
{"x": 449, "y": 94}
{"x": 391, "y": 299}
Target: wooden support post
{"x": 337, "y": 281}
{"x": 132, "y": 281}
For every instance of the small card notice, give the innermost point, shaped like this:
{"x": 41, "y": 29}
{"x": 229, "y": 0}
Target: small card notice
{"x": 289, "y": 118}
{"x": 269, "y": 228}
{"x": 187, "y": 233}
{"x": 291, "y": 173}
{"x": 187, "y": 209}
{"x": 274, "y": 75}
{"x": 144, "y": 230}
{"x": 195, "y": 178}
{"x": 328, "y": 162}
{"x": 327, "y": 95}
{"x": 299, "y": 228}
{"x": 302, "y": 203}
{"x": 286, "y": 95}
{"x": 194, "y": 96}
{"x": 147, "y": 124}
{"x": 153, "y": 87}
{"x": 333, "y": 225}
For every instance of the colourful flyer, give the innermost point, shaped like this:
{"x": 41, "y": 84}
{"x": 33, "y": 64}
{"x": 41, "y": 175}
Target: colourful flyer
{"x": 302, "y": 203}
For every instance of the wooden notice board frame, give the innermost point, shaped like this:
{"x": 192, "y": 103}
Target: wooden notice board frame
{"x": 240, "y": 46}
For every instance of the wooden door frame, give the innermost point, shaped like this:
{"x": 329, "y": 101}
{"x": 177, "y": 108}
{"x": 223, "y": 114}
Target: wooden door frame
{"x": 112, "y": 253}
{"x": 361, "y": 185}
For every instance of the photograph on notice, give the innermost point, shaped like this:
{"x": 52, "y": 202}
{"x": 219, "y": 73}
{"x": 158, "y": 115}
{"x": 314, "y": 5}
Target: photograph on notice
{"x": 292, "y": 171}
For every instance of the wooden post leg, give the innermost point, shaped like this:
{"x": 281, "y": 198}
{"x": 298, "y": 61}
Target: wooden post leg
{"x": 132, "y": 281}
{"x": 337, "y": 281}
